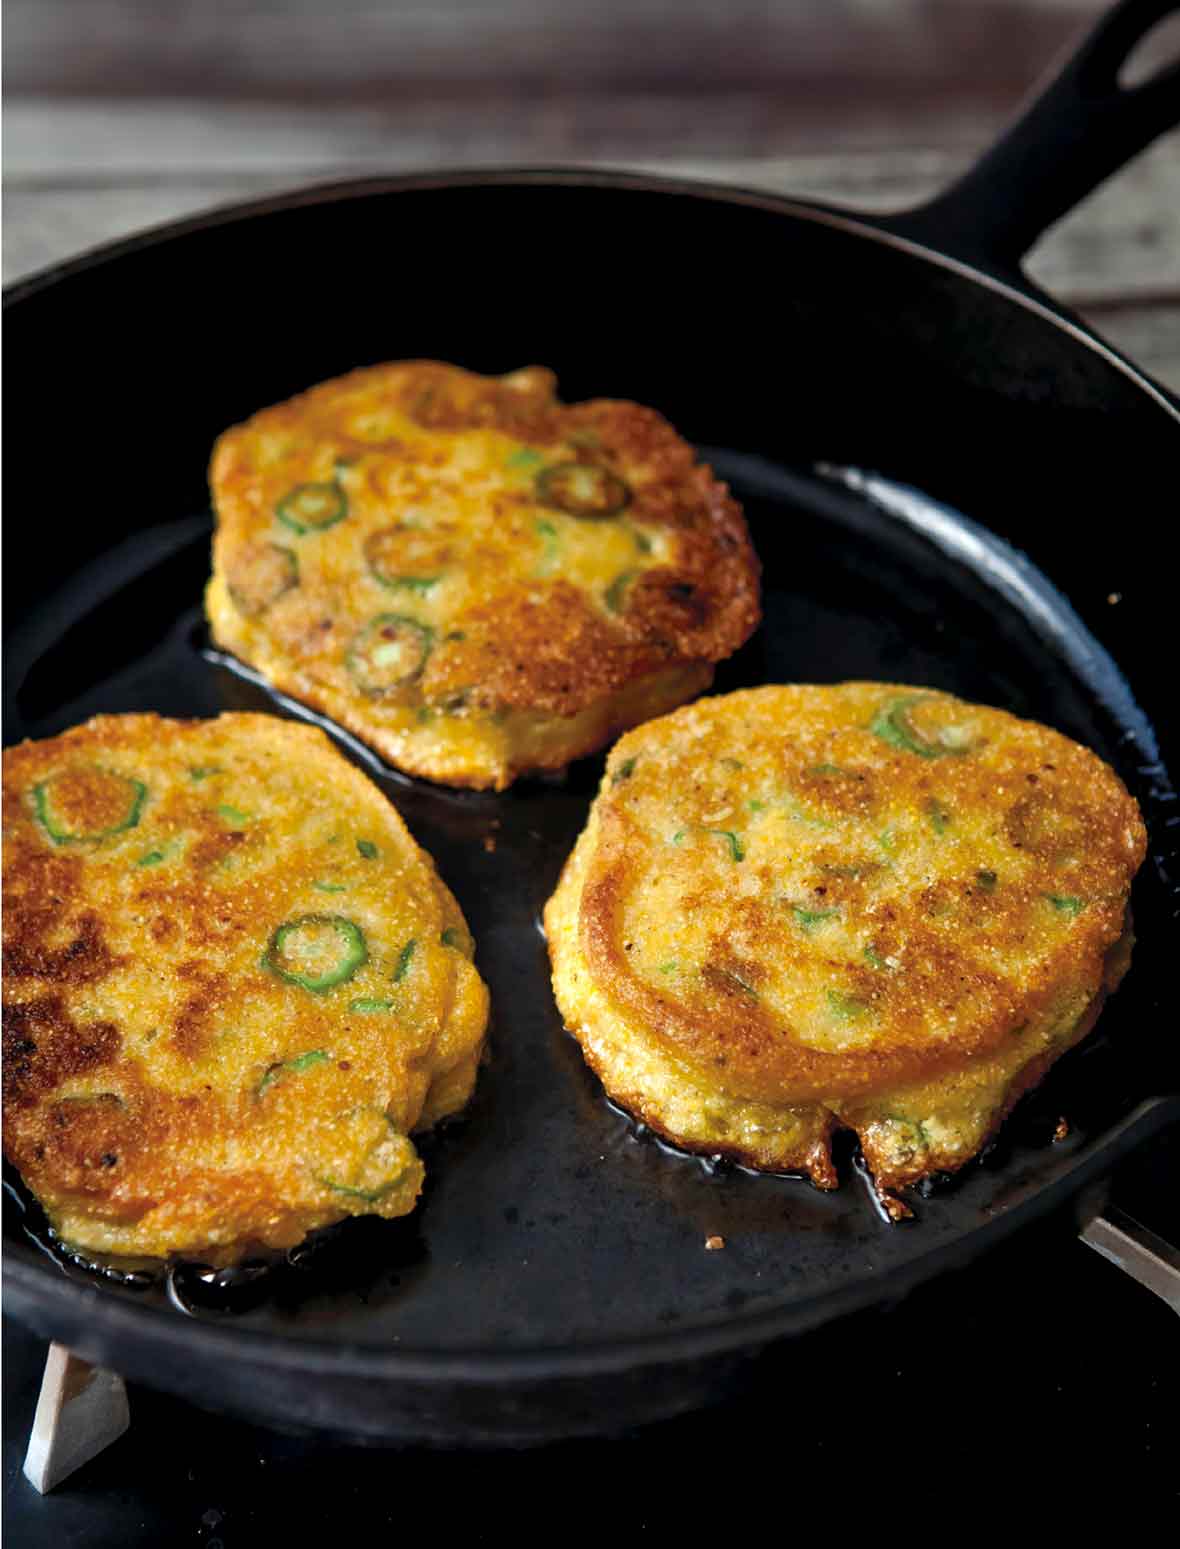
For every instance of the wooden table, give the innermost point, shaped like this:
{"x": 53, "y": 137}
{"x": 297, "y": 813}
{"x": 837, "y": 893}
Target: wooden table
{"x": 123, "y": 113}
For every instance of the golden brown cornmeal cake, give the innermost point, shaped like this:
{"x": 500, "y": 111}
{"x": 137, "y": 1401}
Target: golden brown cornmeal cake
{"x": 234, "y": 985}
{"x": 474, "y": 578}
{"x": 863, "y": 906}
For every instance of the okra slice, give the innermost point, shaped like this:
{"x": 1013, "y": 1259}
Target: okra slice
{"x": 381, "y": 1156}
{"x": 312, "y": 507}
{"x": 894, "y": 723}
{"x": 87, "y": 804}
{"x": 389, "y": 652}
{"x": 582, "y": 489}
{"x": 403, "y": 558}
{"x": 259, "y": 575}
{"x": 317, "y": 951}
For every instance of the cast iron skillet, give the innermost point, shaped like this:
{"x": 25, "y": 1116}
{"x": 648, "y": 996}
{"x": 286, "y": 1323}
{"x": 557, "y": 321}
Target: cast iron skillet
{"x": 893, "y": 402}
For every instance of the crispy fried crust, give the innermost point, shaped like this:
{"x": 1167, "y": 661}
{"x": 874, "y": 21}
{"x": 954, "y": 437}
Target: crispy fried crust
{"x": 865, "y": 905}
{"x": 574, "y": 568}
{"x": 166, "y": 1089}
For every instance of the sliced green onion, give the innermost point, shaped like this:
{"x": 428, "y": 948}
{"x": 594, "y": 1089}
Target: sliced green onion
{"x": 940, "y": 818}
{"x": 411, "y": 583}
{"x": 156, "y": 857}
{"x": 295, "y": 1067}
{"x": 711, "y": 971}
{"x": 615, "y": 592}
{"x": 846, "y": 1007}
{"x": 548, "y": 559}
{"x": 812, "y": 919}
{"x": 370, "y": 1196}
{"x": 914, "y": 1126}
{"x": 404, "y": 959}
{"x": 736, "y": 849}
{"x": 801, "y": 815}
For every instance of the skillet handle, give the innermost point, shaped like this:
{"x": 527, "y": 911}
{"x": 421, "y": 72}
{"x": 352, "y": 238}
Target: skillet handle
{"x": 1079, "y": 129}
{"x": 1137, "y": 1252}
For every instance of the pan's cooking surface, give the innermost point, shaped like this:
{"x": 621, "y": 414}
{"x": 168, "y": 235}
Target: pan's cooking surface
{"x": 547, "y": 1221}
{"x": 567, "y": 1257}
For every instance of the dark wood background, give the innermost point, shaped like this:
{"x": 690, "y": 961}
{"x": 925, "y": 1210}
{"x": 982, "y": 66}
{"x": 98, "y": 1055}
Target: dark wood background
{"x": 122, "y": 113}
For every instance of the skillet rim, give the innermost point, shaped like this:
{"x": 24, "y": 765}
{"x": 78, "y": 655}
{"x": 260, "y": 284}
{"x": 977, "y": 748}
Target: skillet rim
{"x": 94, "y": 1308}
{"x": 32, "y": 1292}
{"x": 874, "y": 228}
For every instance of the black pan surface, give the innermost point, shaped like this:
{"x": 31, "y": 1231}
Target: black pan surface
{"x": 890, "y": 420}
